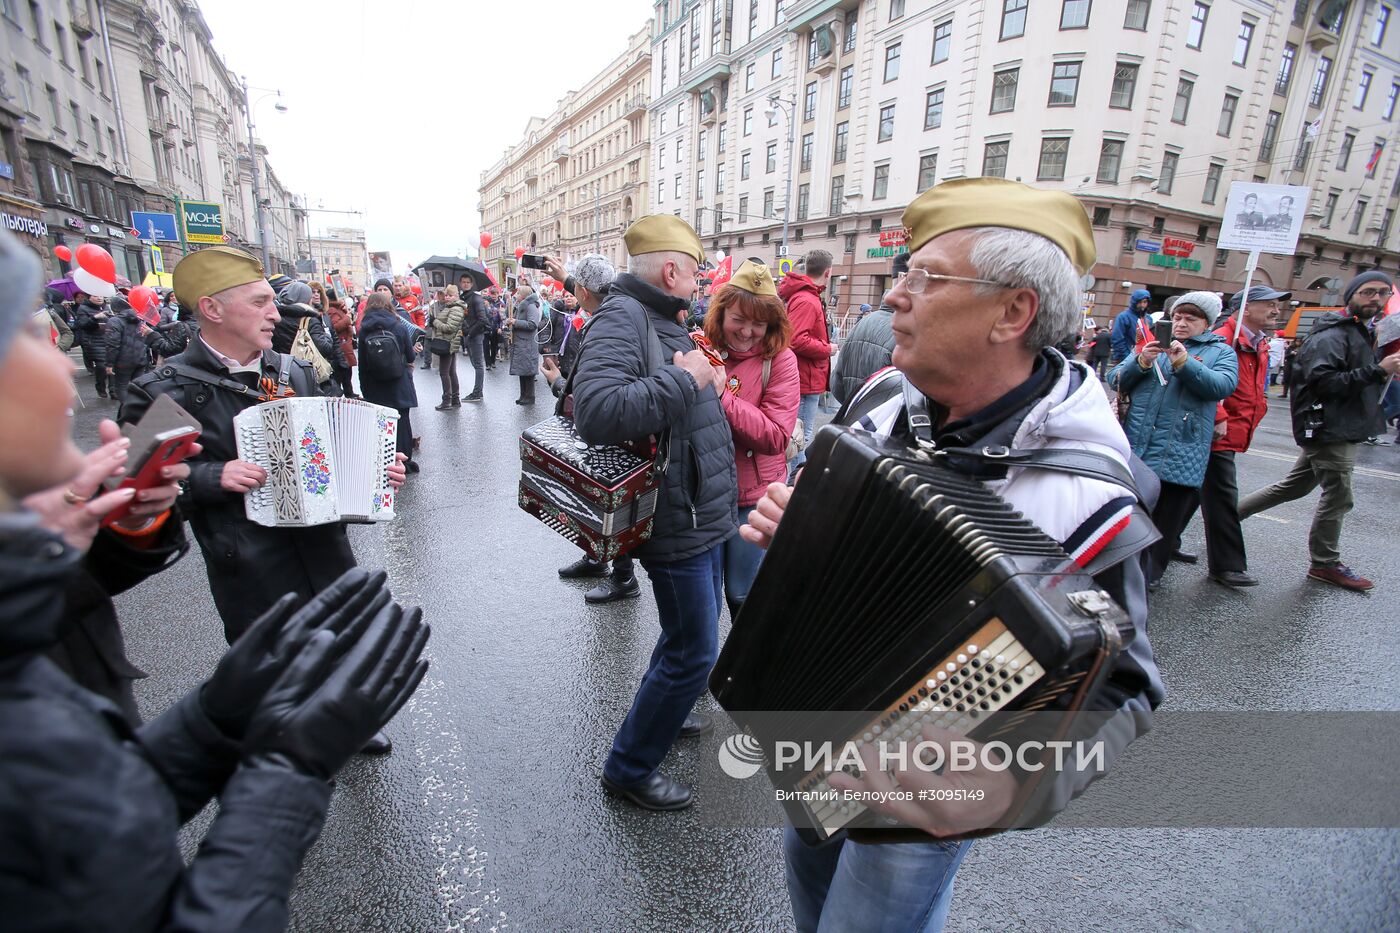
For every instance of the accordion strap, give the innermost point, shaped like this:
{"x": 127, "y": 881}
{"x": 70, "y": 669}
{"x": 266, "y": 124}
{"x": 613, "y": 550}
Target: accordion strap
{"x": 1086, "y": 463}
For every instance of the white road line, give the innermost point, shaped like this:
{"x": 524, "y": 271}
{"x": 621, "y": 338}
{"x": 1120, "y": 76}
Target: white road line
{"x": 1272, "y": 518}
{"x": 1290, "y": 458}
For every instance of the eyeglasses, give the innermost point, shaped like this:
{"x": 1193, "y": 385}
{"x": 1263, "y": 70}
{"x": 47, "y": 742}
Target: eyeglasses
{"x": 1374, "y": 293}
{"x": 916, "y": 280}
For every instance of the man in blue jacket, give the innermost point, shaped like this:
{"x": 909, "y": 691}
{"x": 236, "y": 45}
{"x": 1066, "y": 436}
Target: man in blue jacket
{"x": 640, "y": 374}
{"x": 1129, "y": 325}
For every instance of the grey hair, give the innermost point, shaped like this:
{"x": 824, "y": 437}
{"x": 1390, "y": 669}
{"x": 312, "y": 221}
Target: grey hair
{"x": 594, "y": 273}
{"x": 648, "y": 266}
{"x": 1021, "y": 259}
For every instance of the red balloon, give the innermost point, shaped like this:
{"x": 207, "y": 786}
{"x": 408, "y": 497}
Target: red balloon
{"x": 485, "y": 239}
{"x": 519, "y": 251}
{"x": 96, "y": 273}
{"x": 64, "y": 253}
{"x": 146, "y": 303}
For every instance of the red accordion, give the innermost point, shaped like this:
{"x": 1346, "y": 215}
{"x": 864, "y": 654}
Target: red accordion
{"x": 602, "y": 498}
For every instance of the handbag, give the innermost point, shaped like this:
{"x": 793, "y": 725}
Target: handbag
{"x": 439, "y": 346}
{"x": 304, "y": 348}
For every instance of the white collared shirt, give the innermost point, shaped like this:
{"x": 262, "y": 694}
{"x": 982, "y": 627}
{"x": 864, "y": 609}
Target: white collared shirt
{"x": 232, "y": 365}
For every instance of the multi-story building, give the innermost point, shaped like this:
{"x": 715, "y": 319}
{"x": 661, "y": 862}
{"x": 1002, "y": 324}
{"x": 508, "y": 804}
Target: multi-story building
{"x": 844, "y": 110}
{"x": 579, "y": 176}
{"x": 114, "y": 106}
{"x": 342, "y": 249}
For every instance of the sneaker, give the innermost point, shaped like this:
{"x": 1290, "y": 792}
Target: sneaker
{"x": 611, "y": 590}
{"x": 474, "y": 397}
{"x": 585, "y": 566}
{"x": 1343, "y": 576}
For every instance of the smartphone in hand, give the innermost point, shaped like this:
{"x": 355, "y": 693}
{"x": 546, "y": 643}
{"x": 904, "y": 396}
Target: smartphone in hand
{"x": 1162, "y": 332}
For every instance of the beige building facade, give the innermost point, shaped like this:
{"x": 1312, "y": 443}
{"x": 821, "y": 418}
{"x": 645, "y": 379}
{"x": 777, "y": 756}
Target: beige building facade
{"x": 579, "y": 176}
{"x": 341, "y": 249}
{"x": 1146, "y": 110}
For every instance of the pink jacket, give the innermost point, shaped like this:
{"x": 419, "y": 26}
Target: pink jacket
{"x": 761, "y": 420}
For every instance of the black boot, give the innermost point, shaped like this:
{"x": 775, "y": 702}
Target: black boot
{"x": 445, "y": 404}
{"x": 611, "y": 590}
{"x": 456, "y": 402}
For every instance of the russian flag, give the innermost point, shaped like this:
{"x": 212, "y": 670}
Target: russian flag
{"x": 1375, "y": 157}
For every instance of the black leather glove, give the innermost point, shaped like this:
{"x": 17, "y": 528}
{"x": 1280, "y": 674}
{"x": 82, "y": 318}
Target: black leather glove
{"x": 338, "y": 692}
{"x": 253, "y": 663}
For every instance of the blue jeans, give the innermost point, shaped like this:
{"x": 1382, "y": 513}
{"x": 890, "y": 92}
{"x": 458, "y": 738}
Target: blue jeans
{"x": 688, "y": 594}
{"x": 741, "y": 560}
{"x": 851, "y": 887}
{"x": 807, "y": 412}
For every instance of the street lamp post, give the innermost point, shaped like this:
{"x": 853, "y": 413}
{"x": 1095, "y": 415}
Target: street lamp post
{"x": 253, "y": 159}
{"x": 788, "y": 108}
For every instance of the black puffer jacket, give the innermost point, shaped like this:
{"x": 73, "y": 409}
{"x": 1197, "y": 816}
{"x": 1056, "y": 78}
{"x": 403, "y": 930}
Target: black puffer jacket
{"x": 88, "y": 329}
{"x": 125, "y": 344}
{"x": 619, "y": 397}
{"x": 1336, "y": 383}
{"x": 866, "y": 351}
{"x": 90, "y": 810}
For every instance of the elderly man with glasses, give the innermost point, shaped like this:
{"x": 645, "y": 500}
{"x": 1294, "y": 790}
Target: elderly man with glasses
{"x": 995, "y": 282}
{"x": 1337, "y": 385}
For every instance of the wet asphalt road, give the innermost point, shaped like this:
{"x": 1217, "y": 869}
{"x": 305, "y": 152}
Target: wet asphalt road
{"x": 488, "y": 815}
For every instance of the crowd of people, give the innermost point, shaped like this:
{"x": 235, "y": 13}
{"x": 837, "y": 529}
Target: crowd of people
{"x": 724, "y": 372}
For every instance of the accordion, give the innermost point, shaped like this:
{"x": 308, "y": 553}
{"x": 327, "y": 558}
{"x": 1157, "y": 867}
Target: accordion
{"x": 327, "y": 460}
{"x": 602, "y": 498}
{"x": 898, "y": 593}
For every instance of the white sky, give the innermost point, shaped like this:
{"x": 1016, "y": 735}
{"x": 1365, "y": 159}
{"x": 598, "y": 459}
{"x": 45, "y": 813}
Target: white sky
{"x": 395, "y": 108}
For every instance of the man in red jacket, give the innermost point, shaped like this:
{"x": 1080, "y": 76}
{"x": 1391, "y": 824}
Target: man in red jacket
{"x": 1235, "y": 420}
{"x": 802, "y": 294}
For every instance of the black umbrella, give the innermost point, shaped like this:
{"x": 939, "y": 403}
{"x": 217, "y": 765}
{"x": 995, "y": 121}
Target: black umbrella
{"x": 480, "y": 276}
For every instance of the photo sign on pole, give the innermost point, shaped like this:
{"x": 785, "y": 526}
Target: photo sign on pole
{"x": 1258, "y": 219}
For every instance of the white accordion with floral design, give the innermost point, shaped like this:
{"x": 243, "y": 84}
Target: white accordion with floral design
{"x": 327, "y": 460}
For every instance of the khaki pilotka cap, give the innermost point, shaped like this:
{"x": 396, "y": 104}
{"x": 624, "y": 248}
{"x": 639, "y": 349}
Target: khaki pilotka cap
{"x": 996, "y": 202}
{"x": 753, "y": 277}
{"x": 211, "y": 270}
{"x": 663, "y": 233}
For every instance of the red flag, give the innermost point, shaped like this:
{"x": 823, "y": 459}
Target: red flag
{"x": 1375, "y": 158}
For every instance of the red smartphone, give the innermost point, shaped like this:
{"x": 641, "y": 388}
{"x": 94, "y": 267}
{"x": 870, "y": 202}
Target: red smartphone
{"x": 171, "y": 447}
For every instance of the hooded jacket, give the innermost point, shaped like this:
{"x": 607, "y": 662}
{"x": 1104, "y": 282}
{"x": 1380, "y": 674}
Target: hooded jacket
{"x": 761, "y": 419}
{"x": 867, "y": 350}
{"x": 619, "y": 398}
{"x": 1068, "y": 412}
{"x": 125, "y": 346}
{"x": 1129, "y": 327}
{"x": 1336, "y": 383}
{"x": 284, "y": 332}
{"x": 344, "y": 332}
{"x": 1171, "y": 427}
{"x": 90, "y": 809}
{"x": 809, "y": 335}
{"x": 395, "y": 393}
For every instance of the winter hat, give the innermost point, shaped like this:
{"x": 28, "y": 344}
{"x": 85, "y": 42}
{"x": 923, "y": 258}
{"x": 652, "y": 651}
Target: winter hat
{"x": 1207, "y": 302}
{"x": 279, "y": 281}
{"x": 385, "y": 281}
{"x": 1375, "y": 275}
{"x": 19, "y": 283}
{"x": 594, "y": 273}
{"x": 294, "y": 293}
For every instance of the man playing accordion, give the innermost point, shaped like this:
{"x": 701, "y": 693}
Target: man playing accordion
{"x": 994, "y": 283}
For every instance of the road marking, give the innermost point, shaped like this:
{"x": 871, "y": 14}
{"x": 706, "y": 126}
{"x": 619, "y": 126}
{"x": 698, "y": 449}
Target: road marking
{"x": 1272, "y": 518}
{"x": 1363, "y": 471}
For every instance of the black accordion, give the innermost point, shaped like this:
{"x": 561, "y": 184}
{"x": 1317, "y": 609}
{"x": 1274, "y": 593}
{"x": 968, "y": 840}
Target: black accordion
{"x": 899, "y": 593}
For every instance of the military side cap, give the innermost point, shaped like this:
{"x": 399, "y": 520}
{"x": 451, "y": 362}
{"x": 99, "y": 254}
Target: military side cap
{"x": 753, "y": 277}
{"x": 996, "y": 202}
{"x": 663, "y": 233}
{"x": 211, "y": 270}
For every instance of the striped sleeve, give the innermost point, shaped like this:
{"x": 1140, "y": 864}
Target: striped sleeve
{"x": 1094, "y": 534}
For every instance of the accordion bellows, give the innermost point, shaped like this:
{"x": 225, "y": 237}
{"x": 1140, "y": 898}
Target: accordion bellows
{"x": 602, "y": 498}
{"x": 327, "y": 460}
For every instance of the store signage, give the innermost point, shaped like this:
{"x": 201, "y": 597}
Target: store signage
{"x": 116, "y": 234}
{"x": 1147, "y": 246}
{"x": 7, "y": 170}
{"x": 881, "y": 252}
{"x": 1174, "y": 246}
{"x": 33, "y": 226}
{"x": 1172, "y": 262}
{"x": 203, "y": 221}
{"x": 894, "y": 237}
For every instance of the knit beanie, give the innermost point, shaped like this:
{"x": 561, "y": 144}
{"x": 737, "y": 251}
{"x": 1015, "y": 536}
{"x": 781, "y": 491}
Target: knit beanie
{"x": 294, "y": 293}
{"x": 1207, "y": 302}
{"x": 1375, "y": 275}
{"x": 19, "y": 288}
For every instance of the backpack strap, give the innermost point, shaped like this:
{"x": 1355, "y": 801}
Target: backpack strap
{"x": 767, "y": 371}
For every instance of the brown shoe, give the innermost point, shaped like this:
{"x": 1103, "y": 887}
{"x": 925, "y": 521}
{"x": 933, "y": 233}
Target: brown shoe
{"x": 1343, "y": 576}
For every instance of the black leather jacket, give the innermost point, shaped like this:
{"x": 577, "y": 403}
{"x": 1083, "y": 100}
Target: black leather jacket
{"x": 1336, "y": 383}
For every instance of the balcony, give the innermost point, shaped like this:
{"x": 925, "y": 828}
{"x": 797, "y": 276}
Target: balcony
{"x": 637, "y": 103}
{"x": 561, "y": 152}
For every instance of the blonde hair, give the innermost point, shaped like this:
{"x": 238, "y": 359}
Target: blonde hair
{"x": 451, "y": 293}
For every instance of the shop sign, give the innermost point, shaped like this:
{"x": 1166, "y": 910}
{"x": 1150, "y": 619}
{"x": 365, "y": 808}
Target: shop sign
{"x": 1147, "y": 246}
{"x": 203, "y": 221}
{"x": 32, "y": 226}
{"x": 894, "y": 237}
{"x": 74, "y": 223}
{"x": 1174, "y": 246}
{"x": 116, "y": 234}
{"x": 1173, "y": 262}
{"x": 7, "y": 170}
{"x": 882, "y": 252}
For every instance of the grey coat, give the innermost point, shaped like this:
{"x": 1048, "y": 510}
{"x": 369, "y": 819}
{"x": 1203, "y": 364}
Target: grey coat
{"x": 619, "y": 397}
{"x": 524, "y": 349}
{"x": 866, "y": 351}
